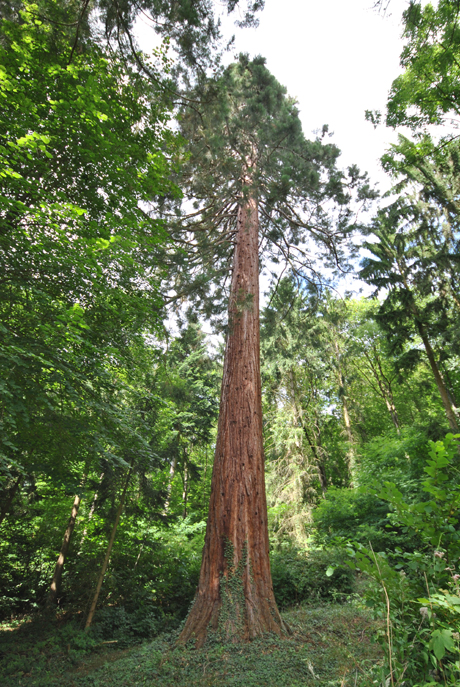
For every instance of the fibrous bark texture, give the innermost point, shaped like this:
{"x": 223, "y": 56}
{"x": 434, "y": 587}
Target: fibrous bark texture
{"x": 235, "y": 593}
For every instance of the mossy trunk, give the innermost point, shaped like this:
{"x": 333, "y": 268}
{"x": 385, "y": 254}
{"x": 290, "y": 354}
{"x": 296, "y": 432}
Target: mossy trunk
{"x": 235, "y": 592}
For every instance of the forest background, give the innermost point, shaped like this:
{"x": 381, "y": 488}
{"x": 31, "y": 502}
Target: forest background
{"x": 109, "y": 416}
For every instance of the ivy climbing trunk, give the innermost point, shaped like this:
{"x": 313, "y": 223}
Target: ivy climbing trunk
{"x": 235, "y": 592}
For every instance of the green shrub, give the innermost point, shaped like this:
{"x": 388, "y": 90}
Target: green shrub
{"x": 130, "y": 626}
{"x": 419, "y": 596}
{"x": 299, "y": 576}
{"x": 360, "y": 516}
{"x": 397, "y": 458}
{"x": 166, "y": 576}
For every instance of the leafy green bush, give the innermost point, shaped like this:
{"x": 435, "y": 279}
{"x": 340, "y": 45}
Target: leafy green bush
{"x": 299, "y": 576}
{"x": 397, "y": 458}
{"x": 129, "y": 626}
{"x": 357, "y": 515}
{"x": 362, "y": 514}
{"x": 419, "y": 597}
{"x": 149, "y": 586}
{"x": 73, "y": 640}
{"x": 167, "y": 571}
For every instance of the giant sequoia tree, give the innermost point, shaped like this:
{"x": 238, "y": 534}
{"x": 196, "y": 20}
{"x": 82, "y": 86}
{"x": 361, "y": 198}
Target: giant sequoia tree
{"x": 258, "y": 187}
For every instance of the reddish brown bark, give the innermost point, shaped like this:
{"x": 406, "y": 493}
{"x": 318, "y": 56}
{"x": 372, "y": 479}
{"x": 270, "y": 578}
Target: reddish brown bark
{"x": 235, "y": 592}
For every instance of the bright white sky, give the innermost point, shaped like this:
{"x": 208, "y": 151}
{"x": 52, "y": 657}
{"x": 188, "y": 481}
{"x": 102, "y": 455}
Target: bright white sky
{"x": 337, "y": 58}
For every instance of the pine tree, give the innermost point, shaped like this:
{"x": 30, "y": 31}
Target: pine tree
{"x": 254, "y": 181}
{"x": 413, "y": 306}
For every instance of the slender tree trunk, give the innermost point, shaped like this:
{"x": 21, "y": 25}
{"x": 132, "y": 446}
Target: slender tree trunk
{"x": 351, "y": 458}
{"x": 449, "y": 409}
{"x": 389, "y": 402}
{"x": 319, "y": 460}
{"x": 185, "y": 490}
{"x": 172, "y": 472}
{"x": 384, "y": 387}
{"x": 321, "y": 455}
{"x": 448, "y": 382}
{"x": 56, "y": 581}
{"x": 387, "y": 391}
{"x": 91, "y": 512}
{"x": 139, "y": 554}
{"x": 10, "y": 498}
{"x": 92, "y": 610}
{"x": 235, "y": 592}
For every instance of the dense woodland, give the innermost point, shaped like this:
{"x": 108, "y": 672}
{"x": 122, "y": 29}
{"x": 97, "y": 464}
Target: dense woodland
{"x": 140, "y": 197}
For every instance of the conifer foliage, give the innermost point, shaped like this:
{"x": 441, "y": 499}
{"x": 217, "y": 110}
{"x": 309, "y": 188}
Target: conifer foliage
{"x": 258, "y": 187}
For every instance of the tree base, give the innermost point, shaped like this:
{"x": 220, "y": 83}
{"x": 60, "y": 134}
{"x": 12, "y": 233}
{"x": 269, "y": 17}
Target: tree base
{"x": 237, "y": 613}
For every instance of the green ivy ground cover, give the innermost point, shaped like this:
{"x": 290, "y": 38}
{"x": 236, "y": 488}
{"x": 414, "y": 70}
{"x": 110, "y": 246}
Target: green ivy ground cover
{"x": 331, "y": 646}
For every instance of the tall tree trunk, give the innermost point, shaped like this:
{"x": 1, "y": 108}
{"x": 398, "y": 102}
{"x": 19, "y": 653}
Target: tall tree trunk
{"x": 387, "y": 391}
{"x": 91, "y": 512}
{"x": 448, "y": 382}
{"x": 387, "y": 396}
{"x": 235, "y": 592}
{"x": 384, "y": 387}
{"x": 313, "y": 444}
{"x": 351, "y": 459}
{"x": 318, "y": 460}
{"x": 56, "y": 581}
{"x": 10, "y": 498}
{"x": 92, "y": 610}
{"x": 448, "y": 407}
{"x": 186, "y": 478}
{"x": 172, "y": 472}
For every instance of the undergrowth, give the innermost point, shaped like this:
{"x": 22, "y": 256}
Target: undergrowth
{"x": 331, "y": 646}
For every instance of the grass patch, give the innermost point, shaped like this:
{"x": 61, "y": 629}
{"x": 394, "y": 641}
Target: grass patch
{"x": 330, "y": 645}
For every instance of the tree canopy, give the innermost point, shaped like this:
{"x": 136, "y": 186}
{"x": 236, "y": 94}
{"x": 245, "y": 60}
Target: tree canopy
{"x": 249, "y": 139}
{"x": 140, "y": 199}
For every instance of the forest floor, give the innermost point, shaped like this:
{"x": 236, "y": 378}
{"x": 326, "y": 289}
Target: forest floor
{"x": 331, "y": 646}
